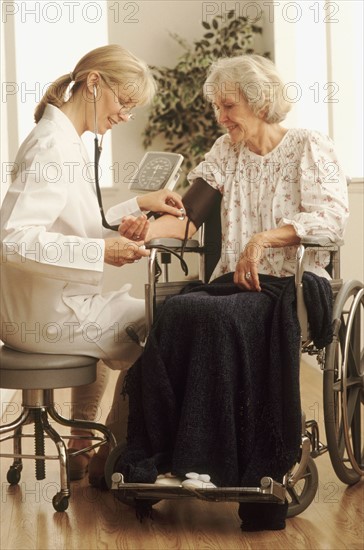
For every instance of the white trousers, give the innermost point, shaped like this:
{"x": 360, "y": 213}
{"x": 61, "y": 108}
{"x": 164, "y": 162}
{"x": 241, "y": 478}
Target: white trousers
{"x": 117, "y": 350}
{"x": 86, "y": 402}
{"x": 106, "y": 326}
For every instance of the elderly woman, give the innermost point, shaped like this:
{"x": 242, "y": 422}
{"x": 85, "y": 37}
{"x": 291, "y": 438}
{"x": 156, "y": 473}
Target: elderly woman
{"x": 219, "y": 376}
{"x": 54, "y": 244}
{"x": 279, "y": 186}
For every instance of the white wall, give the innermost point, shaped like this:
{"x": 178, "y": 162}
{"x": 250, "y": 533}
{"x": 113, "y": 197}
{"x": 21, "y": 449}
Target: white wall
{"x": 352, "y": 253}
{"x": 318, "y": 47}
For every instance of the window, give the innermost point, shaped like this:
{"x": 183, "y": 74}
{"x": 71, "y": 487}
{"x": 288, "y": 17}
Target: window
{"x": 319, "y": 50}
{"x": 44, "y": 41}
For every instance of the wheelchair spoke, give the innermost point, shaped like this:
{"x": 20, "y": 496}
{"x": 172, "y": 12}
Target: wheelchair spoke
{"x": 303, "y": 492}
{"x": 343, "y": 386}
{"x": 294, "y": 495}
{"x": 356, "y": 436}
{"x": 352, "y": 401}
{"x": 352, "y": 385}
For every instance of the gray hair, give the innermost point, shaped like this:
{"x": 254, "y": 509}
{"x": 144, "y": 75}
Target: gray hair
{"x": 255, "y": 77}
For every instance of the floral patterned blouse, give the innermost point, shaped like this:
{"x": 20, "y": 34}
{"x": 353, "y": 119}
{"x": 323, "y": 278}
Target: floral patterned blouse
{"x": 299, "y": 182}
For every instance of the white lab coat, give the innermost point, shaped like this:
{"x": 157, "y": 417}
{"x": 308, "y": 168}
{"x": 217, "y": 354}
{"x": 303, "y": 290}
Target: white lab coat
{"x": 53, "y": 249}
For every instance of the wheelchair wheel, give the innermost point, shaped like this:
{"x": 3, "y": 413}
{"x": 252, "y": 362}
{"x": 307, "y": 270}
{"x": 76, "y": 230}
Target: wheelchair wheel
{"x": 303, "y": 492}
{"x": 344, "y": 385}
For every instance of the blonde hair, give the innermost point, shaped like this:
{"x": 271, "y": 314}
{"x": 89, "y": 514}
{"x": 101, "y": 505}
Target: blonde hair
{"x": 254, "y": 76}
{"x": 115, "y": 65}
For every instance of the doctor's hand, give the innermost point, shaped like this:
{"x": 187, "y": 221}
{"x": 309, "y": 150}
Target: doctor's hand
{"x": 161, "y": 201}
{"x": 134, "y": 228}
{"x": 120, "y": 251}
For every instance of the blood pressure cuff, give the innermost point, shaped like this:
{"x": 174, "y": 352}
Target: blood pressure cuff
{"x": 200, "y": 200}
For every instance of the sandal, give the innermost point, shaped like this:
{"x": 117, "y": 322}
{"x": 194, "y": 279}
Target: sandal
{"x": 96, "y": 471}
{"x": 78, "y": 465}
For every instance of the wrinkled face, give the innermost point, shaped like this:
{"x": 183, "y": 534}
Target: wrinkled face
{"x": 233, "y": 112}
{"x": 112, "y": 107}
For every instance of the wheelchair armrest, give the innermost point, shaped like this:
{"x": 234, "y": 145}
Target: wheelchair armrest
{"x": 301, "y": 307}
{"x": 329, "y": 247}
{"x": 332, "y": 248}
{"x": 192, "y": 245}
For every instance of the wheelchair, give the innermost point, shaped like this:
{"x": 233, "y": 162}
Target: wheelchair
{"x": 342, "y": 363}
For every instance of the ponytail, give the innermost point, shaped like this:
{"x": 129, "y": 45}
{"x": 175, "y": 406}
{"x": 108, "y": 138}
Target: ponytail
{"x": 55, "y": 95}
{"x": 115, "y": 65}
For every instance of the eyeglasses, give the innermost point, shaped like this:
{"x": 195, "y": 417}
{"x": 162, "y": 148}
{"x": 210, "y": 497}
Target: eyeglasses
{"x": 125, "y": 111}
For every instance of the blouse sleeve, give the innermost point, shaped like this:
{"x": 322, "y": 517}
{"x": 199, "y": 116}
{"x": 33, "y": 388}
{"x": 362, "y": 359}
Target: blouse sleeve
{"x": 211, "y": 169}
{"x": 324, "y": 199}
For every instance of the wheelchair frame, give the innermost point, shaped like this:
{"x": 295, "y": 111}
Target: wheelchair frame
{"x": 343, "y": 395}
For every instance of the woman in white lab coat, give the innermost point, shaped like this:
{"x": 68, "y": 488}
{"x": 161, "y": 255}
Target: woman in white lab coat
{"x": 54, "y": 245}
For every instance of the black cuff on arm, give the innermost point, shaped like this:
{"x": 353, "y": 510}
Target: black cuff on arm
{"x": 199, "y": 201}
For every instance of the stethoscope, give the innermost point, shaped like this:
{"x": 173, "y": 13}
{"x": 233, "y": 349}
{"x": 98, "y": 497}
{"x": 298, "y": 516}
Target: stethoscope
{"x": 97, "y": 153}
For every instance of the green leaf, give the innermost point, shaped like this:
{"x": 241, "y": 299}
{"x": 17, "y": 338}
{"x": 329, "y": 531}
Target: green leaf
{"x": 179, "y": 113}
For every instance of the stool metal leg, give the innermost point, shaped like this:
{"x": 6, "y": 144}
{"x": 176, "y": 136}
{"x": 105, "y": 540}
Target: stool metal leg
{"x": 37, "y": 405}
{"x": 22, "y": 420}
{"x": 14, "y": 472}
{"x": 84, "y": 425}
{"x": 60, "y": 499}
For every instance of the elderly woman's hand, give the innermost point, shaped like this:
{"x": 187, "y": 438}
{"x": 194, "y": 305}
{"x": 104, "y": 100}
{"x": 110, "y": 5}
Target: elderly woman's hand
{"x": 134, "y": 228}
{"x": 120, "y": 251}
{"x": 161, "y": 201}
{"x": 246, "y": 271}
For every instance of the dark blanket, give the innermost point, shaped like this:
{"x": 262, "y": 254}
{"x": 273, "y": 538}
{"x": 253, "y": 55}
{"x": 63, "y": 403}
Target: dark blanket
{"x": 217, "y": 388}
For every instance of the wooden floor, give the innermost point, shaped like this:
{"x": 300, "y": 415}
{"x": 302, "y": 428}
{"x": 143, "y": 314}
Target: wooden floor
{"x": 96, "y": 520}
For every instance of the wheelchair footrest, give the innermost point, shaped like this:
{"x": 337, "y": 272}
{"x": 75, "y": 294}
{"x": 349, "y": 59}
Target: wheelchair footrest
{"x": 269, "y": 491}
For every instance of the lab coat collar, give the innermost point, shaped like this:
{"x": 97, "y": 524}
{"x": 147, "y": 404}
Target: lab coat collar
{"x": 54, "y": 114}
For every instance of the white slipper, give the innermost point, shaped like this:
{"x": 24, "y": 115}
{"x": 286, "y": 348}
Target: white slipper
{"x": 168, "y": 480}
{"x": 200, "y": 481}
{"x": 196, "y": 483}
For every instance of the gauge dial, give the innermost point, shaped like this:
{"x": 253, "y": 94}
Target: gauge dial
{"x": 157, "y": 170}
{"x": 155, "y": 173}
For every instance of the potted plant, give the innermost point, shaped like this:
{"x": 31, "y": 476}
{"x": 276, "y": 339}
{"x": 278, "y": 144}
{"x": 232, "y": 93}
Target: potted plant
{"x": 180, "y": 113}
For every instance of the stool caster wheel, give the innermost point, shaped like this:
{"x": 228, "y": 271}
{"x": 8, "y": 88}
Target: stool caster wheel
{"x": 13, "y": 475}
{"x": 60, "y": 502}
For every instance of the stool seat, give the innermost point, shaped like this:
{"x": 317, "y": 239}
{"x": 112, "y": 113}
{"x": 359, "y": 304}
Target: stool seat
{"x": 23, "y": 370}
{"x": 37, "y": 375}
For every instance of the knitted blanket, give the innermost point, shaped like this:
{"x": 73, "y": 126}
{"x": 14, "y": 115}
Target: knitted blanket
{"x": 217, "y": 388}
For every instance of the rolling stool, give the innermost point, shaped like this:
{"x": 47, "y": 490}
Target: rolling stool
{"x": 37, "y": 375}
